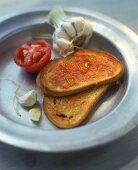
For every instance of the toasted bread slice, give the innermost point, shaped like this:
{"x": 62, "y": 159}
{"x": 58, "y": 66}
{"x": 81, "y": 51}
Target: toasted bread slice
{"x": 71, "y": 111}
{"x": 79, "y": 71}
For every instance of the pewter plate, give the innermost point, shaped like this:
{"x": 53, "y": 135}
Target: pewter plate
{"x": 114, "y": 115}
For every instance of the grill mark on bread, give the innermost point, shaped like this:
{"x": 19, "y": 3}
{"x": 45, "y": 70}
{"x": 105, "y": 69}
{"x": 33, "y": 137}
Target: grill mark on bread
{"x": 71, "y": 111}
{"x": 62, "y": 115}
{"x": 54, "y": 101}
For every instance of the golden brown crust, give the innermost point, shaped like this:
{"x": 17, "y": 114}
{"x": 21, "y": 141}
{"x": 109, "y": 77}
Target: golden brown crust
{"x": 53, "y": 90}
{"x": 71, "y": 111}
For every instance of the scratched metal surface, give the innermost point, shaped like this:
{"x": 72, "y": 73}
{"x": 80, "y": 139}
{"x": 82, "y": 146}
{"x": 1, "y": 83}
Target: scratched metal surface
{"x": 121, "y": 154}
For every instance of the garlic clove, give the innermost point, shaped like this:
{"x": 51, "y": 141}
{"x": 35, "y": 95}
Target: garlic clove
{"x": 60, "y": 33}
{"x": 88, "y": 28}
{"x": 35, "y": 114}
{"x": 69, "y": 28}
{"x": 86, "y": 33}
{"x": 64, "y": 44}
{"x": 66, "y": 48}
{"x": 29, "y": 99}
{"x": 78, "y": 23}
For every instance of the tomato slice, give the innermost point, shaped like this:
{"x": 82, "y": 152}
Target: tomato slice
{"x": 33, "y": 55}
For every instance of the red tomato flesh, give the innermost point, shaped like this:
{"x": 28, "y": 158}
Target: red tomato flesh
{"x": 33, "y": 55}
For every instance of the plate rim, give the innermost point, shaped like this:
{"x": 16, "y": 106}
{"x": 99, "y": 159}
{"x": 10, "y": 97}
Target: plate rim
{"x": 86, "y": 143}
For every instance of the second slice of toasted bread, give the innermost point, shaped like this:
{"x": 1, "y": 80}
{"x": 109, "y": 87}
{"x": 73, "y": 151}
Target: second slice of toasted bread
{"x": 79, "y": 71}
{"x": 71, "y": 111}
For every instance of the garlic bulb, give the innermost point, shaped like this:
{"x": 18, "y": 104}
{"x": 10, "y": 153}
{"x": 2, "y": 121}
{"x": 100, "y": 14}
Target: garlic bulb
{"x": 28, "y": 99}
{"x": 70, "y": 33}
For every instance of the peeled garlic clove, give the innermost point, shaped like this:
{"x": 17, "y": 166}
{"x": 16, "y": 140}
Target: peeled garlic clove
{"x": 35, "y": 114}
{"x": 29, "y": 99}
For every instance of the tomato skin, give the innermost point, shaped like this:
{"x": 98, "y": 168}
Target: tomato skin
{"x": 33, "y": 55}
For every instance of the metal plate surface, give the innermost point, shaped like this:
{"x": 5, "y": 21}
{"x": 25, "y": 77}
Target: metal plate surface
{"x": 114, "y": 115}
